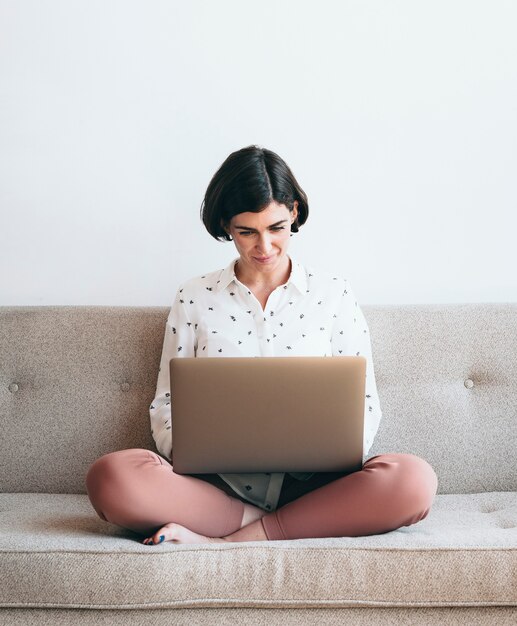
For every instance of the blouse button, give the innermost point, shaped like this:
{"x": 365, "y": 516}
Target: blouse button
{"x": 125, "y": 386}
{"x": 469, "y": 383}
{"x": 13, "y": 387}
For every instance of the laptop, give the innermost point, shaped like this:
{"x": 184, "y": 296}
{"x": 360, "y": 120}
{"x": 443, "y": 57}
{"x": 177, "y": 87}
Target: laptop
{"x": 267, "y": 414}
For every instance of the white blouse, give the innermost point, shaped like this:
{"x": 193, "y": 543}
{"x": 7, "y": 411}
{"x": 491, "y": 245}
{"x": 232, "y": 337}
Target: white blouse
{"x": 312, "y": 314}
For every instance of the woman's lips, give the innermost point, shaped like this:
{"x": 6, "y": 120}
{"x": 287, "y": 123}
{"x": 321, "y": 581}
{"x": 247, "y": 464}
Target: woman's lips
{"x": 263, "y": 260}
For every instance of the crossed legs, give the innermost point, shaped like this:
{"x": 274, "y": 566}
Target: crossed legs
{"x": 137, "y": 489}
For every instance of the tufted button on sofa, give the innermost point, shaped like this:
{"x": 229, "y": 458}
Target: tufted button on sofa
{"x": 76, "y": 383}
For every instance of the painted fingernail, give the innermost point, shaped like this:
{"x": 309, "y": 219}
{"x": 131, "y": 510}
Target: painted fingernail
{"x": 162, "y": 537}
{"x": 150, "y": 542}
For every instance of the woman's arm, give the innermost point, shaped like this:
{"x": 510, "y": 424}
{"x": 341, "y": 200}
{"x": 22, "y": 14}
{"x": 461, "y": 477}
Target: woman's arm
{"x": 179, "y": 341}
{"x": 351, "y": 336}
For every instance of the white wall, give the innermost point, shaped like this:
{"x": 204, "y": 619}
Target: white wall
{"x": 399, "y": 119}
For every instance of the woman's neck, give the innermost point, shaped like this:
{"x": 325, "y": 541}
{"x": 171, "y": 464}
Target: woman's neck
{"x": 261, "y": 283}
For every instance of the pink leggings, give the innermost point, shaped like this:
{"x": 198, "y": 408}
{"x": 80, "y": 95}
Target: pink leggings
{"x": 137, "y": 489}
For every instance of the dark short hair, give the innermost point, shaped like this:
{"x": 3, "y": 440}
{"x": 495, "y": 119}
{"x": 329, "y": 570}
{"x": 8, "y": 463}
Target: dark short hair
{"x": 249, "y": 180}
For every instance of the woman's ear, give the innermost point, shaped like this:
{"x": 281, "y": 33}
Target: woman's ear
{"x": 226, "y": 228}
{"x": 294, "y": 212}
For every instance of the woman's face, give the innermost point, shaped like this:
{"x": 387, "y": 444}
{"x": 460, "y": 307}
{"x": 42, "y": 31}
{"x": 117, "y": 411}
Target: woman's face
{"x": 262, "y": 238}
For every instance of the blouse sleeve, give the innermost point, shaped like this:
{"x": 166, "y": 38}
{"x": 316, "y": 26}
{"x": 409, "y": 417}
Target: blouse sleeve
{"x": 351, "y": 336}
{"x": 179, "y": 340}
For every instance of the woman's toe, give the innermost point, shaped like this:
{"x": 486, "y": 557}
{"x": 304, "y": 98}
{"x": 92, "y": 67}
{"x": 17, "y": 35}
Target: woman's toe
{"x": 166, "y": 533}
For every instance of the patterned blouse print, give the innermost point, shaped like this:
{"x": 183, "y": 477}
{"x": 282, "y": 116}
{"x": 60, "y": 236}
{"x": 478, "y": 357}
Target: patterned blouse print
{"x": 313, "y": 314}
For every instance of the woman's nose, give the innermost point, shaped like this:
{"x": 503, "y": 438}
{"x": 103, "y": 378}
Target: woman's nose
{"x": 265, "y": 244}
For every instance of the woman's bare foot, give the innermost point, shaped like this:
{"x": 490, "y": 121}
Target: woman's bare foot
{"x": 251, "y": 513}
{"x": 180, "y": 534}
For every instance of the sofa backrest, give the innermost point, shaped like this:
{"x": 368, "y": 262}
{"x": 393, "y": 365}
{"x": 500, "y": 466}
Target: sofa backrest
{"x": 76, "y": 382}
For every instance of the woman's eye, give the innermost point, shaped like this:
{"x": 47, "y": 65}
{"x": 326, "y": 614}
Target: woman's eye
{"x": 248, "y": 232}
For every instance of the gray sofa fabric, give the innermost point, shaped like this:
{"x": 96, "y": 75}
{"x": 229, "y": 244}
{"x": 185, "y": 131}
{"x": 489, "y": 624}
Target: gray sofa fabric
{"x": 76, "y": 383}
{"x": 469, "y": 537}
{"x": 365, "y": 616}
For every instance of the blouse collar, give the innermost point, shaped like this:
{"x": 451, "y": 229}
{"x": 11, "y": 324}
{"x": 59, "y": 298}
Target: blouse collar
{"x": 297, "y": 277}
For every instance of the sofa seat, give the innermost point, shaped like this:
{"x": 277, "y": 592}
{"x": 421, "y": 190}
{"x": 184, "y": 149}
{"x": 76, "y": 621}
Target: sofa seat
{"x": 55, "y": 552}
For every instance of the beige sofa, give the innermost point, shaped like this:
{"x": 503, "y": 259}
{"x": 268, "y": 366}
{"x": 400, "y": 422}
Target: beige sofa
{"x": 76, "y": 383}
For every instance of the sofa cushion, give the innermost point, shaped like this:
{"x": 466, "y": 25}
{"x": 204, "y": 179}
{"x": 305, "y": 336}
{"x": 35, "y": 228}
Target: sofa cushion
{"x": 76, "y": 382}
{"x": 56, "y": 552}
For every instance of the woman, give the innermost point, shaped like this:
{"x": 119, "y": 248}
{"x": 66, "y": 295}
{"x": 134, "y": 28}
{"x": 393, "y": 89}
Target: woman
{"x": 264, "y": 303}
